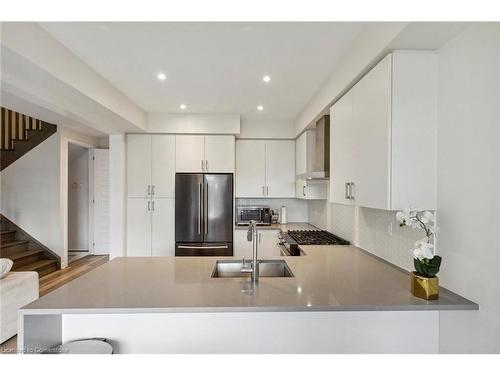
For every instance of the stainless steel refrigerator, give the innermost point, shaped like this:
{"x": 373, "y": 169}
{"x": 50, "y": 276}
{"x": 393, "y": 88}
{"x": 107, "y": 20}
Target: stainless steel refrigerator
{"x": 203, "y": 214}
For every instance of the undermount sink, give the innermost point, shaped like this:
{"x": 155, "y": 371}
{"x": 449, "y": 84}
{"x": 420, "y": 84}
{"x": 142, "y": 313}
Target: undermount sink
{"x": 267, "y": 268}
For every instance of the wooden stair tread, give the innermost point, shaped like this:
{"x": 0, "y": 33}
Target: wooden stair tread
{"x": 13, "y": 243}
{"x": 37, "y": 265}
{"x": 23, "y": 254}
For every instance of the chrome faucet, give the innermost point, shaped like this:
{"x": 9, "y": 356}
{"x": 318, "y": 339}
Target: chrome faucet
{"x": 252, "y": 236}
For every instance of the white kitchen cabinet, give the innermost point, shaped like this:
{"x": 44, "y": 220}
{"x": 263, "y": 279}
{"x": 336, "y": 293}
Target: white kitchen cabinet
{"x": 138, "y": 227}
{"x": 150, "y": 227}
{"x": 138, "y": 165}
{"x": 202, "y": 154}
{"x": 383, "y": 136}
{"x": 267, "y": 244}
{"x": 150, "y": 166}
{"x": 189, "y": 153}
{"x": 310, "y": 189}
{"x": 163, "y": 166}
{"x": 265, "y": 168}
{"x": 342, "y": 148}
{"x": 163, "y": 227}
{"x": 304, "y": 152}
{"x": 250, "y": 177}
{"x": 280, "y": 169}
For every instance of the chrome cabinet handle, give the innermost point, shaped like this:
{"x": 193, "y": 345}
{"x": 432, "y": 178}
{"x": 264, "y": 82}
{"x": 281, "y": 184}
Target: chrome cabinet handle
{"x": 206, "y": 165}
{"x": 153, "y": 190}
{"x": 202, "y": 167}
{"x": 202, "y": 247}
{"x": 346, "y": 195}
{"x": 199, "y": 209}
{"x": 267, "y": 191}
{"x": 304, "y": 190}
{"x": 149, "y": 205}
{"x": 149, "y": 189}
{"x": 351, "y": 190}
{"x": 153, "y": 206}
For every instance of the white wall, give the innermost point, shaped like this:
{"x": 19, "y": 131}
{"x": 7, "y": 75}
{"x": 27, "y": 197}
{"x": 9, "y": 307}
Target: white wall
{"x": 78, "y": 198}
{"x": 267, "y": 129}
{"x": 31, "y": 193}
{"x": 193, "y": 123}
{"x": 469, "y": 185}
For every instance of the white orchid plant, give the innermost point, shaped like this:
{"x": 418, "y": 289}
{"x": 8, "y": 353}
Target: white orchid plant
{"x": 425, "y": 261}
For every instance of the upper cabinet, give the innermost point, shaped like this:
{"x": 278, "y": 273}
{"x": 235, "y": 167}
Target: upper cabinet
{"x": 150, "y": 166}
{"x": 304, "y": 152}
{"x": 265, "y": 169}
{"x": 203, "y": 154}
{"x": 383, "y": 136}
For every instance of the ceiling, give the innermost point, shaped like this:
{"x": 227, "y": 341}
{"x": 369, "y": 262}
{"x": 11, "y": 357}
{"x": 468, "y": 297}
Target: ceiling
{"x": 212, "y": 67}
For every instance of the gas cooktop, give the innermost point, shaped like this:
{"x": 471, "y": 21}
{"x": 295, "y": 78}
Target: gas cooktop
{"x": 316, "y": 237}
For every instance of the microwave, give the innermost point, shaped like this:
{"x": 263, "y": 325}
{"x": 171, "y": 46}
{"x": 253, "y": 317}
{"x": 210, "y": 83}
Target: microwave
{"x": 261, "y": 214}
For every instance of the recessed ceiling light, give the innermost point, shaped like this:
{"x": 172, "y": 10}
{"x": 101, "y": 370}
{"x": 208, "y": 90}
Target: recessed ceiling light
{"x": 162, "y": 76}
{"x": 260, "y": 107}
{"x": 182, "y": 106}
{"x": 266, "y": 79}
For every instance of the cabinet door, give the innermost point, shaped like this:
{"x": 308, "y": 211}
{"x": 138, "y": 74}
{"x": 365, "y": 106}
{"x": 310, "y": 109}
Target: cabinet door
{"x": 250, "y": 168}
{"x": 268, "y": 244}
{"x": 301, "y": 154}
{"x": 138, "y": 227}
{"x": 342, "y": 147}
{"x": 138, "y": 165}
{"x": 163, "y": 166}
{"x": 219, "y": 153}
{"x": 280, "y": 169}
{"x": 189, "y": 153}
{"x": 371, "y": 124}
{"x": 241, "y": 247}
{"x": 163, "y": 227}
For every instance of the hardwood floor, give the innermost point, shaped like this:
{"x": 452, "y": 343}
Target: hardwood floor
{"x": 56, "y": 279}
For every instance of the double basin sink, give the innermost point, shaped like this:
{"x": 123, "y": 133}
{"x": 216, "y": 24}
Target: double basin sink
{"x": 267, "y": 268}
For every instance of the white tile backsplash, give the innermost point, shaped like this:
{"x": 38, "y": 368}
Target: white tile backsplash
{"x": 296, "y": 209}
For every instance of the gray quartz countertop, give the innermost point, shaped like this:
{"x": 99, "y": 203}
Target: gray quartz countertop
{"x": 328, "y": 278}
{"x": 283, "y": 227}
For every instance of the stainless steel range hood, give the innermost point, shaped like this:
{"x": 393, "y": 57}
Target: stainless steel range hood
{"x": 320, "y": 167}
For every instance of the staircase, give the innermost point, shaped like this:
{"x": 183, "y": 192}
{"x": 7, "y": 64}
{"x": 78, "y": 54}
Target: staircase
{"x": 19, "y": 134}
{"x": 26, "y": 253}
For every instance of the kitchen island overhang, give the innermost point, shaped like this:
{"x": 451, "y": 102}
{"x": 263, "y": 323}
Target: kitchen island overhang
{"x": 340, "y": 300}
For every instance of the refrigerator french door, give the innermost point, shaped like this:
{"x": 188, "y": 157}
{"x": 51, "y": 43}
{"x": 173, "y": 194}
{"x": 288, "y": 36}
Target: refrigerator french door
{"x": 203, "y": 214}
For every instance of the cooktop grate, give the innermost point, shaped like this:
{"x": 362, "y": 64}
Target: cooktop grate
{"x": 316, "y": 237}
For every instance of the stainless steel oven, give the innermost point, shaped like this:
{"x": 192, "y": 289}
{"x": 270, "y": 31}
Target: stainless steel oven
{"x": 261, "y": 214}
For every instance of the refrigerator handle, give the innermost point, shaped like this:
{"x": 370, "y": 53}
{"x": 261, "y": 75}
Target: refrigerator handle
{"x": 205, "y": 219}
{"x": 199, "y": 208}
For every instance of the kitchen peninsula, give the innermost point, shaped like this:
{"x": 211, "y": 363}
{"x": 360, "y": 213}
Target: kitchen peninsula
{"x": 339, "y": 300}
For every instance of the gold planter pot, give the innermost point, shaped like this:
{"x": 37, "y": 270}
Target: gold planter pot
{"x": 424, "y": 287}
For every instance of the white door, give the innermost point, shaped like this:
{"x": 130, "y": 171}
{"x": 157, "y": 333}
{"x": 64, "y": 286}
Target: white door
{"x": 250, "y": 168}
{"x": 163, "y": 227}
{"x": 189, "y": 153}
{"x": 342, "y": 147}
{"x": 268, "y": 244}
{"x": 371, "y": 124}
{"x": 138, "y": 166}
{"x": 138, "y": 227}
{"x": 219, "y": 153}
{"x": 163, "y": 166}
{"x": 280, "y": 169}
{"x": 100, "y": 201}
